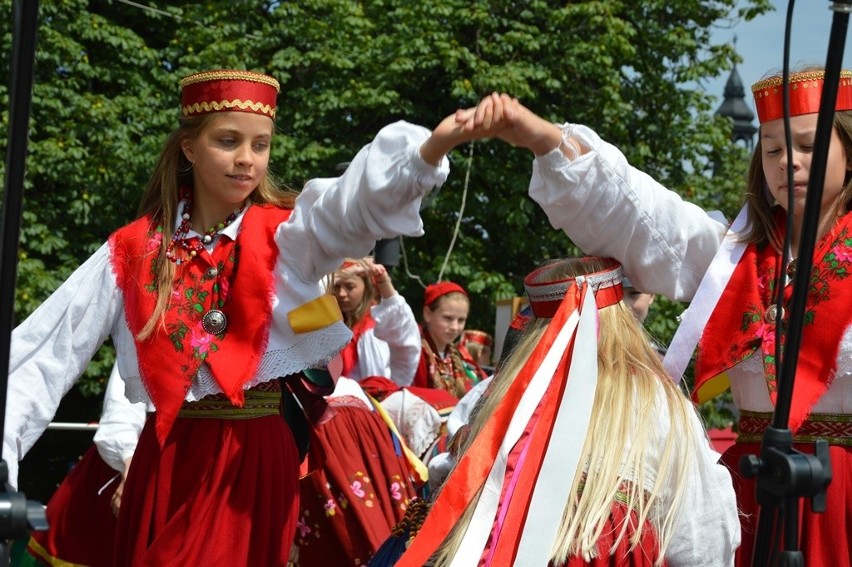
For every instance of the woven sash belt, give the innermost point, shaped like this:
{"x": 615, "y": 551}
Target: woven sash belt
{"x": 261, "y": 401}
{"x": 835, "y": 428}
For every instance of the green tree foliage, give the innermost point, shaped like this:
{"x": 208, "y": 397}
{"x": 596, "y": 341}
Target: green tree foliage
{"x": 106, "y": 96}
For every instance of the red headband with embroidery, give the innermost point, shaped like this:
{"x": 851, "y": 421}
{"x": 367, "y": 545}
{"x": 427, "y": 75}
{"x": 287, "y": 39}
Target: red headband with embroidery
{"x": 226, "y": 90}
{"x": 479, "y": 337}
{"x": 436, "y": 290}
{"x": 805, "y": 94}
{"x": 546, "y": 295}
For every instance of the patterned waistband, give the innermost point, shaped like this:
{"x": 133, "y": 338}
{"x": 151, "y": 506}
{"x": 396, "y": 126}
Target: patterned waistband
{"x": 261, "y": 401}
{"x": 833, "y": 427}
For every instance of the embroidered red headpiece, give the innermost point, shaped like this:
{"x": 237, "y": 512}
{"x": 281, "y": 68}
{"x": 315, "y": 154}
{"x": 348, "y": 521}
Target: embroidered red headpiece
{"x": 805, "y": 94}
{"x": 228, "y": 90}
{"x": 436, "y": 290}
{"x": 480, "y": 337}
{"x": 546, "y": 295}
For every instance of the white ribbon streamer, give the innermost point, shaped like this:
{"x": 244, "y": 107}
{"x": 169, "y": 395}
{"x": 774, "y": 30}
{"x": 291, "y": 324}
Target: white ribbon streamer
{"x": 552, "y": 490}
{"x": 695, "y": 317}
{"x": 479, "y": 528}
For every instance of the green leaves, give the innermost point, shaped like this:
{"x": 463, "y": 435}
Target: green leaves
{"x": 106, "y": 96}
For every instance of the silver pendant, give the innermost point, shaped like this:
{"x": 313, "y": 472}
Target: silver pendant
{"x": 771, "y": 315}
{"x": 214, "y": 322}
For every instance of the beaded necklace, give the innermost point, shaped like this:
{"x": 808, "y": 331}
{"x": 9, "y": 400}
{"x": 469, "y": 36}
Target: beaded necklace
{"x": 193, "y": 246}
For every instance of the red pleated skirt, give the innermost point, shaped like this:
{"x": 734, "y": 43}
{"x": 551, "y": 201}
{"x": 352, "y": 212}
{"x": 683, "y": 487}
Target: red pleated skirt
{"x": 349, "y": 506}
{"x": 219, "y": 492}
{"x": 825, "y": 539}
{"x": 81, "y": 522}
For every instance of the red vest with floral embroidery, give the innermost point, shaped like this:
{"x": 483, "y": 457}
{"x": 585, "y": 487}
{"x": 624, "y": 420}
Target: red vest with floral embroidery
{"x": 237, "y": 279}
{"x": 739, "y": 323}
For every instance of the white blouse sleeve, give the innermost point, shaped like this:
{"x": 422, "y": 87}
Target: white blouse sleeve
{"x": 707, "y": 527}
{"x": 51, "y": 349}
{"x": 120, "y": 424}
{"x": 609, "y": 208}
{"x": 396, "y": 326}
{"x": 378, "y": 196}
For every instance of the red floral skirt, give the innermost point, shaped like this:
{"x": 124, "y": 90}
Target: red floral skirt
{"x": 824, "y": 539}
{"x": 349, "y": 506}
{"x": 220, "y": 492}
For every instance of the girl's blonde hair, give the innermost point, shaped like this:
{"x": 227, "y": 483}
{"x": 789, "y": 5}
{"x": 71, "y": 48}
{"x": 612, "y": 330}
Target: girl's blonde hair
{"x": 633, "y": 390}
{"x": 760, "y": 227}
{"x": 371, "y": 293}
{"x": 162, "y": 195}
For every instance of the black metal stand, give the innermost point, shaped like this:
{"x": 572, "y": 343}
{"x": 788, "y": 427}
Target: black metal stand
{"x": 784, "y": 474}
{"x": 17, "y": 514}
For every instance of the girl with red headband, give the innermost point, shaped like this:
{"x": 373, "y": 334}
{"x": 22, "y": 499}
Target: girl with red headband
{"x": 365, "y": 483}
{"x": 209, "y": 296}
{"x": 728, "y": 274}
{"x": 442, "y": 364}
{"x": 581, "y": 451}
{"x": 385, "y": 339}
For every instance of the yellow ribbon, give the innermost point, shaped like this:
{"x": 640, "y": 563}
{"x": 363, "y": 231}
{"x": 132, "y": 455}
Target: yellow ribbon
{"x": 315, "y": 314}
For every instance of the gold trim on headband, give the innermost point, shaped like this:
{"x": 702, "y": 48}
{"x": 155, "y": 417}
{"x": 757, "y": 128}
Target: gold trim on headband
{"x": 227, "y": 104}
{"x": 795, "y": 78}
{"x": 205, "y": 76}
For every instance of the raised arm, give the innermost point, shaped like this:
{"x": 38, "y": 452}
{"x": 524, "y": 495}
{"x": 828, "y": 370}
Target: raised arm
{"x": 606, "y": 206}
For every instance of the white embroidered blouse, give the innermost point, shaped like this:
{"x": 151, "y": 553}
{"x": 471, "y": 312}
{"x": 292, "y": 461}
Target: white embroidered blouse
{"x": 377, "y": 197}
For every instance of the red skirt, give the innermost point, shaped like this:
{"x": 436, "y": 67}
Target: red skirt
{"x": 349, "y": 506}
{"x": 643, "y": 555}
{"x": 220, "y": 492}
{"x": 824, "y": 539}
{"x": 82, "y": 525}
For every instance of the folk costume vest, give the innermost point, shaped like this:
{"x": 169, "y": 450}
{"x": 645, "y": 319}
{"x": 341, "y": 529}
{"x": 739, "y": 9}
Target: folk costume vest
{"x": 235, "y": 279}
{"x": 451, "y": 373}
{"x": 733, "y": 334}
{"x": 349, "y": 354}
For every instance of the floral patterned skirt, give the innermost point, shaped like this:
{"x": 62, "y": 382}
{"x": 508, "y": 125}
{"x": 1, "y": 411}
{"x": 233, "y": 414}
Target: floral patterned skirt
{"x": 349, "y": 506}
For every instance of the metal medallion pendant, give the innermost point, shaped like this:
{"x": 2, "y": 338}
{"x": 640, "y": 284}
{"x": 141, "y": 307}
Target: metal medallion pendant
{"x": 771, "y": 315}
{"x": 214, "y": 322}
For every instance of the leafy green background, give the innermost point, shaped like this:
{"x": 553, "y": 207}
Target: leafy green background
{"x": 106, "y": 96}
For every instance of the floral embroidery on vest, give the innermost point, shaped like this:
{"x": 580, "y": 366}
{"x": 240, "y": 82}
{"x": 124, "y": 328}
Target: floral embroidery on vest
{"x": 169, "y": 359}
{"x": 733, "y": 334}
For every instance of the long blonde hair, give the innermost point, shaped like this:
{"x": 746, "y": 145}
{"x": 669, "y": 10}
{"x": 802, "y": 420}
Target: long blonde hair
{"x": 371, "y": 293}
{"x": 632, "y": 384}
{"x": 162, "y": 195}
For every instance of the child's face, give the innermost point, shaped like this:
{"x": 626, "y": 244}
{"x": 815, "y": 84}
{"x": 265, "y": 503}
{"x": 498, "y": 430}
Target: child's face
{"x": 446, "y": 323}
{"x": 349, "y": 291}
{"x": 639, "y": 302}
{"x": 775, "y": 166}
{"x": 229, "y": 158}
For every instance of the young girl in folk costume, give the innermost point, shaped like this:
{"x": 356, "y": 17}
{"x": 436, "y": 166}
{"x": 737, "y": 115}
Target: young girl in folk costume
{"x": 442, "y": 364}
{"x": 210, "y": 296}
{"x": 582, "y": 451}
{"x": 386, "y": 340}
{"x": 478, "y": 344}
{"x": 363, "y": 488}
{"x": 674, "y": 248}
